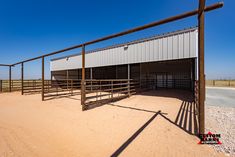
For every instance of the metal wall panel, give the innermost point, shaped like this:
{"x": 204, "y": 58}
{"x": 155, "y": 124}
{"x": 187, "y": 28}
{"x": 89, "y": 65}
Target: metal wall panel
{"x": 164, "y": 49}
{"x": 176, "y": 45}
{"x": 170, "y": 47}
{"x": 181, "y": 46}
{"x": 186, "y": 45}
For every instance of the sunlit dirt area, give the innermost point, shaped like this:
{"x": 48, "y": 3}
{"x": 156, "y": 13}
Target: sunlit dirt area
{"x": 154, "y": 123}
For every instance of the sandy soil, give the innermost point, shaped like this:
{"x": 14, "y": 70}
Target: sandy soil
{"x": 142, "y": 125}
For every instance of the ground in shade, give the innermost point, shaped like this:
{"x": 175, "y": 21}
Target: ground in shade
{"x": 159, "y": 123}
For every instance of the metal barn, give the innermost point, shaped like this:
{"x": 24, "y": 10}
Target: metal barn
{"x": 162, "y": 61}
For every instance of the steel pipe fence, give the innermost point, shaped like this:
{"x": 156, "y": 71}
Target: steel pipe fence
{"x": 62, "y": 87}
{"x": 166, "y": 83}
{"x": 32, "y": 86}
{"x": 103, "y": 91}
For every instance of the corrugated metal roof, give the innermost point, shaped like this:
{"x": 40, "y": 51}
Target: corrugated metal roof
{"x": 170, "y": 46}
{"x": 133, "y": 42}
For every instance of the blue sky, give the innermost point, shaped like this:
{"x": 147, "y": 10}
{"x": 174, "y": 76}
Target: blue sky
{"x": 30, "y": 28}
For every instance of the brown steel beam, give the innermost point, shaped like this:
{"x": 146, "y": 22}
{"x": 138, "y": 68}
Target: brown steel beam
{"x": 22, "y": 78}
{"x": 9, "y": 78}
{"x": 83, "y": 88}
{"x": 201, "y": 16}
{"x": 42, "y": 79}
{"x": 6, "y": 65}
{"x": 153, "y": 24}
{"x": 167, "y": 20}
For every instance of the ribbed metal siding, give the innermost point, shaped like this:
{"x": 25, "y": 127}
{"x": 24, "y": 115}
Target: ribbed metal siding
{"x": 177, "y": 46}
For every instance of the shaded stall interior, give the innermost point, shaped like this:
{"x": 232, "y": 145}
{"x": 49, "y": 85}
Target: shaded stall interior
{"x": 175, "y": 74}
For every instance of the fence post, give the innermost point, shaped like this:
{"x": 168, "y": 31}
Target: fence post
{"x": 0, "y": 85}
{"x": 91, "y": 77}
{"x": 10, "y": 78}
{"x": 128, "y": 82}
{"x": 22, "y": 78}
{"x": 42, "y": 78}
{"x": 83, "y": 90}
{"x": 67, "y": 79}
{"x": 201, "y": 66}
{"x": 72, "y": 86}
{"x": 112, "y": 90}
{"x": 140, "y": 76}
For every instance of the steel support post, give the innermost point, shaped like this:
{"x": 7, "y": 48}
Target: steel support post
{"x": 140, "y": 76}
{"x": 22, "y": 78}
{"x": 10, "y": 78}
{"x": 116, "y": 71}
{"x": 67, "y": 79}
{"x": 91, "y": 77}
{"x": 83, "y": 88}
{"x": 0, "y": 85}
{"x": 42, "y": 79}
{"x": 51, "y": 80}
{"x": 201, "y": 16}
{"x": 128, "y": 73}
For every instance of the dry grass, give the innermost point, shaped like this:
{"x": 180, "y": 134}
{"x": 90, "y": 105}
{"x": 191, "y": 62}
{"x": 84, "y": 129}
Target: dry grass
{"x": 220, "y": 83}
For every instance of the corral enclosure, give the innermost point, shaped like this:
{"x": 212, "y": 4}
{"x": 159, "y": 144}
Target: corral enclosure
{"x": 165, "y": 50}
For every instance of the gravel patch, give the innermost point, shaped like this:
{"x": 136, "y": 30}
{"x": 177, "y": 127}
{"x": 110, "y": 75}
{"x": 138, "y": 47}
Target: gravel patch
{"x": 221, "y": 120}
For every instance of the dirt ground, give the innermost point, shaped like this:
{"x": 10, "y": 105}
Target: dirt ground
{"x": 160, "y": 123}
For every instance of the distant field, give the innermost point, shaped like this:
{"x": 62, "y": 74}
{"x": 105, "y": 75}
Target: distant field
{"x": 220, "y": 83}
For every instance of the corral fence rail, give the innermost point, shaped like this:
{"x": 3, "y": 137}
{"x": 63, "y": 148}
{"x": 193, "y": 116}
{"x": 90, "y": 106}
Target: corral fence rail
{"x": 33, "y": 86}
{"x": 187, "y": 84}
{"x": 62, "y": 87}
{"x": 15, "y": 85}
{"x": 103, "y": 91}
{"x": 29, "y": 86}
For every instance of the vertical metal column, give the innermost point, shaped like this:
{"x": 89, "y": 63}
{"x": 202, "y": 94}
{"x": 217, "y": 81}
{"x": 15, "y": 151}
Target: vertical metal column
{"x": 51, "y": 80}
{"x": 67, "y": 78}
{"x": 83, "y": 90}
{"x": 128, "y": 75}
{"x": 116, "y": 72}
{"x": 0, "y": 85}
{"x": 42, "y": 78}
{"x": 22, "y": 78}
{"x": 10, "y": 78}
{"x": 91, "y": 77}
{"x": 201, "y": 66}
{"x": 140, "y": 75}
